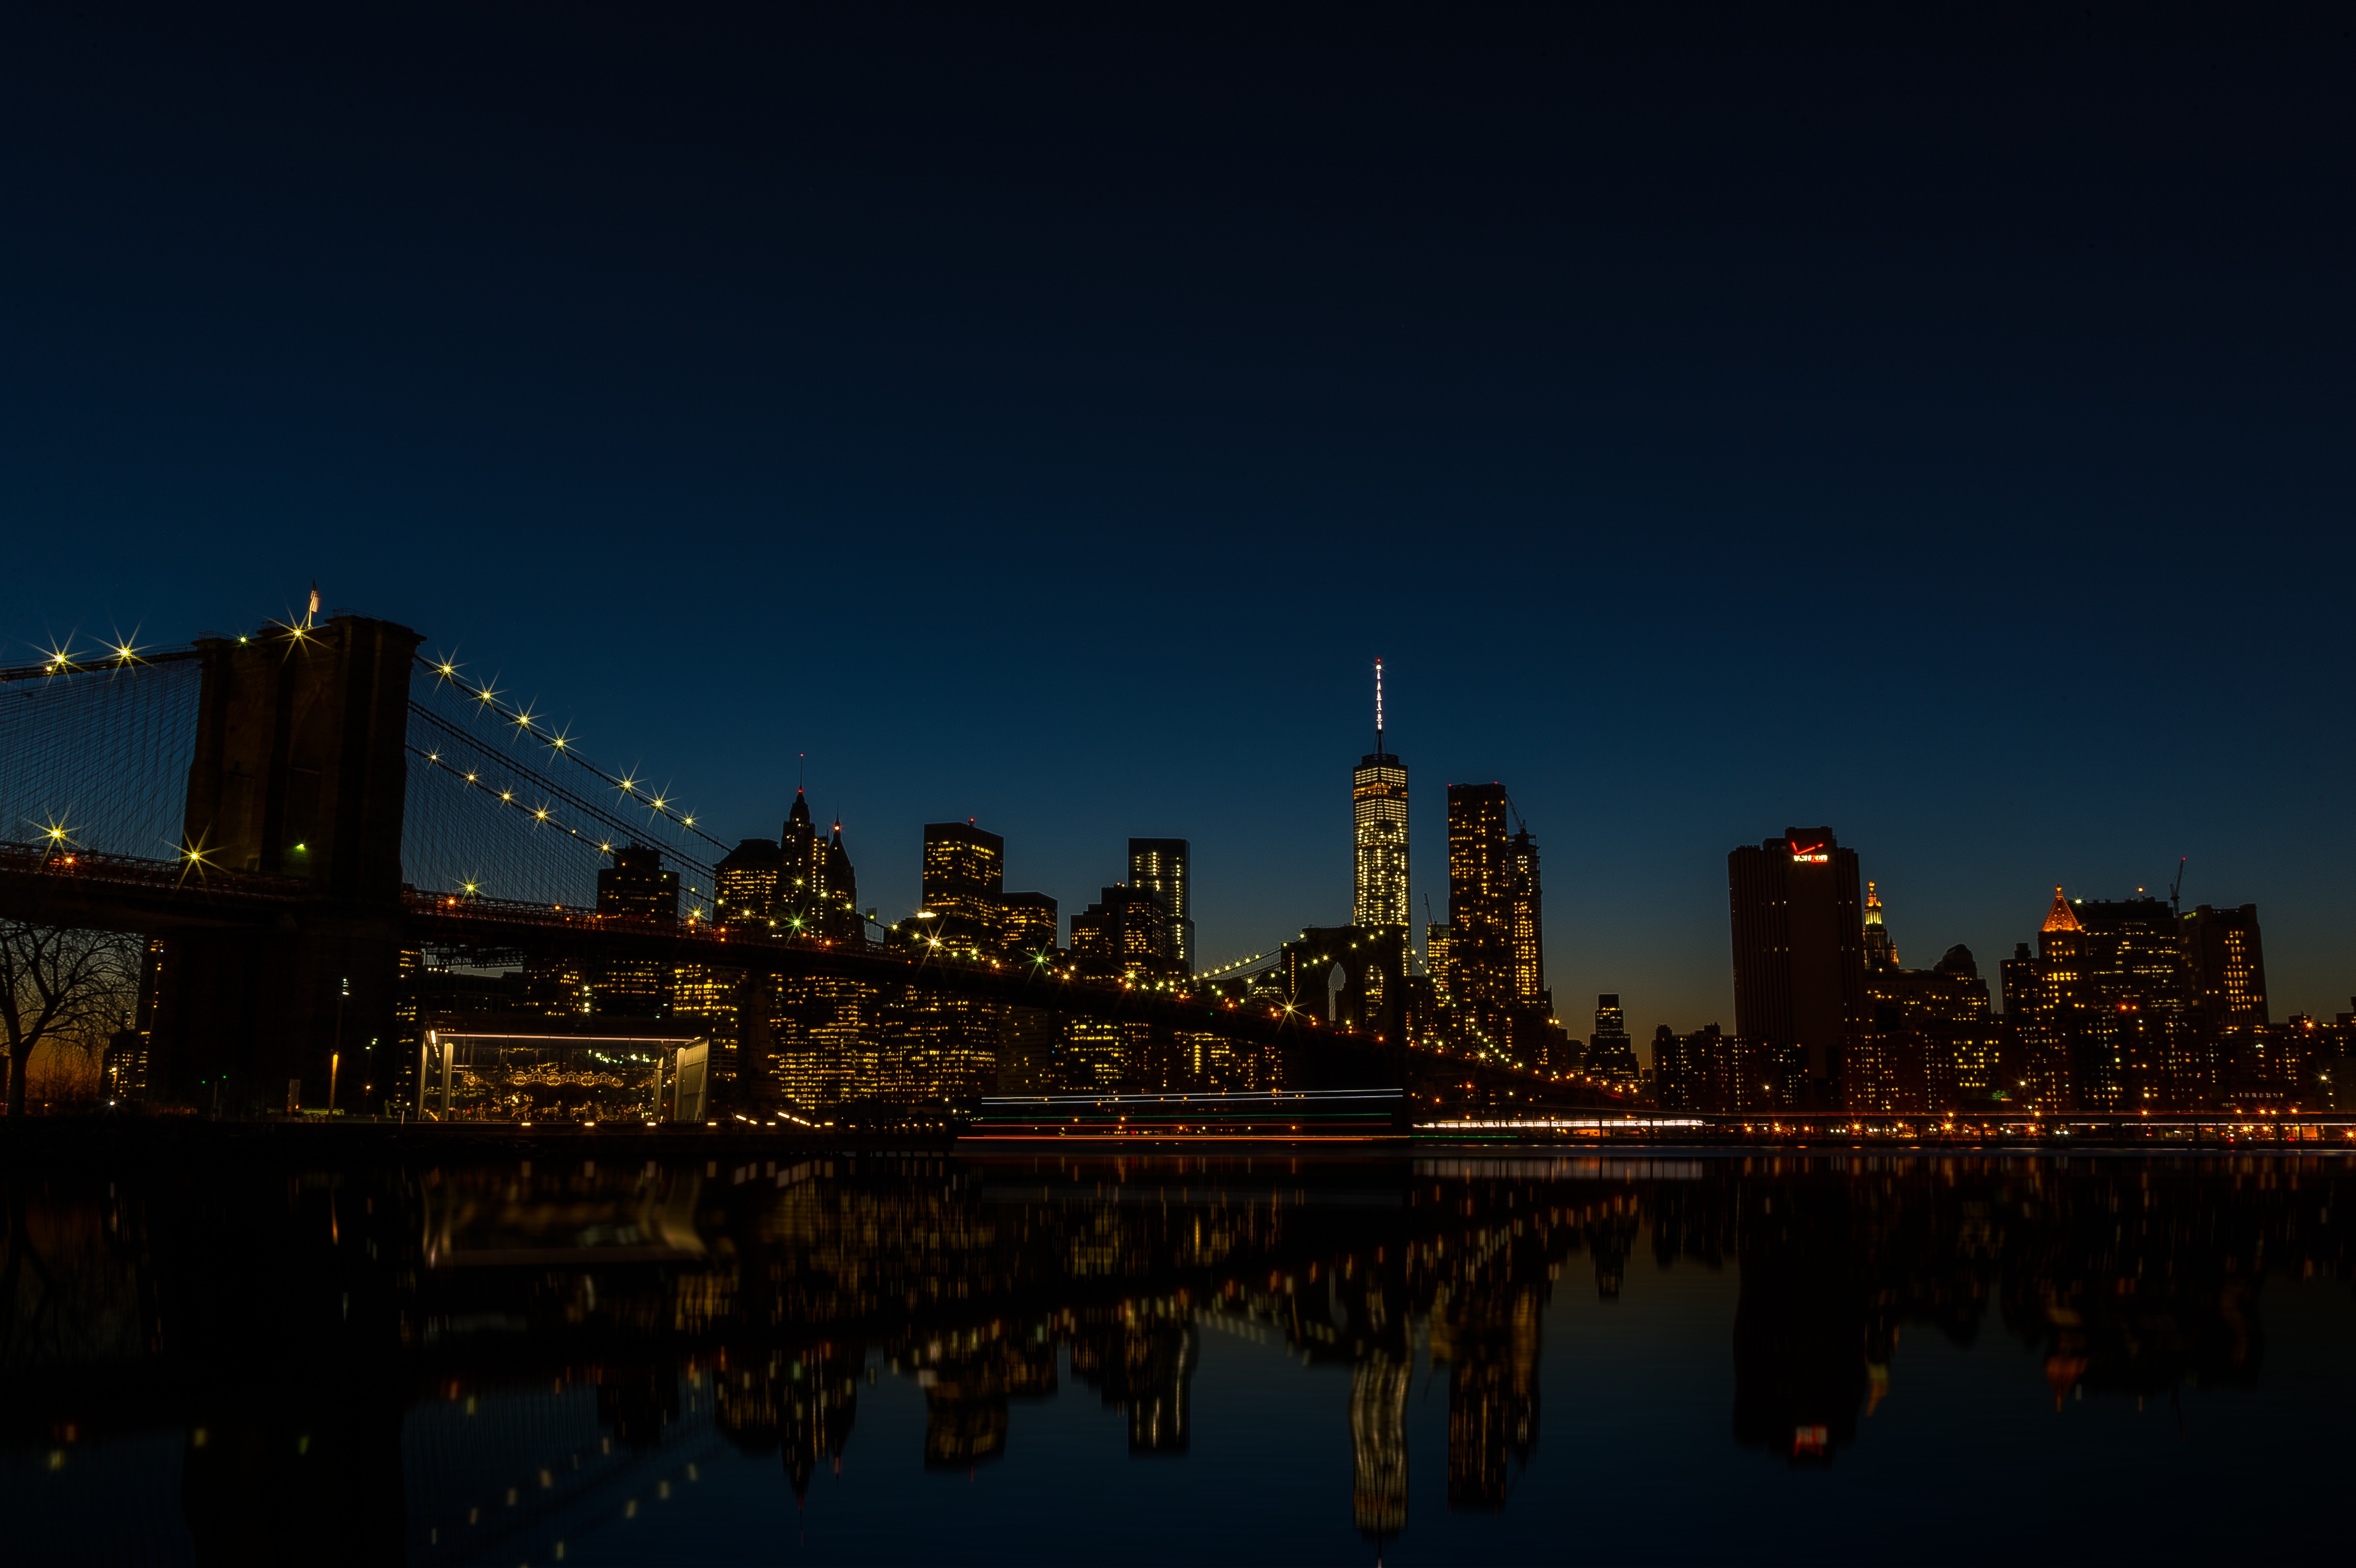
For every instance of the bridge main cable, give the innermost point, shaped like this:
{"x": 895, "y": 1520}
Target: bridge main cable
{"x": 526, "y": 723}
{"x": 612, "y": 823}
{"x": 119, "y": 657}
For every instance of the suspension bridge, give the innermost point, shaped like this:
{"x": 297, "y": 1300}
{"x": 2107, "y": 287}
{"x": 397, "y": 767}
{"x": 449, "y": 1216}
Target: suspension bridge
{"x": 287, "y": 813}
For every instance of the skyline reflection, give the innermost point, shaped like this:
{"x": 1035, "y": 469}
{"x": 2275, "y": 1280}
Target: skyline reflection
{"x": 459, "y": 1364}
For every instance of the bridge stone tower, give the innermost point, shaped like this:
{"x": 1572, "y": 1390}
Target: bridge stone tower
{"x": 1350, "y": 976}
{"x": 300, "y": 772}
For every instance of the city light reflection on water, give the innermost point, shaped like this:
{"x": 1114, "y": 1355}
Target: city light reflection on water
{"x": 921, "y": 1359}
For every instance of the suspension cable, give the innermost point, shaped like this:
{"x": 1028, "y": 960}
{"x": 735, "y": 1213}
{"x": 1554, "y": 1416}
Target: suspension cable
{"x": 612, "y": 822}
{"x": 559, "y": 743}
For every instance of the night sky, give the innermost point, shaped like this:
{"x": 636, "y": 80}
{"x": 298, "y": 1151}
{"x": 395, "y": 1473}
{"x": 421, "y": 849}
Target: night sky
{"x": 1943, "y": 434}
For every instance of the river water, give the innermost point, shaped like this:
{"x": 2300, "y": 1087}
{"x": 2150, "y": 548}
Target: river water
{"x": 894, "y": 1358}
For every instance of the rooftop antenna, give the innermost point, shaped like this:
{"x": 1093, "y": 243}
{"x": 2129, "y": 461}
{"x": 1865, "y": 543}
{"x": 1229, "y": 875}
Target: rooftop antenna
{"x": 1378, "y": 708}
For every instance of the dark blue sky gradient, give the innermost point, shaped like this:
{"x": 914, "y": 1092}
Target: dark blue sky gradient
{"x": 1944, "y": 435}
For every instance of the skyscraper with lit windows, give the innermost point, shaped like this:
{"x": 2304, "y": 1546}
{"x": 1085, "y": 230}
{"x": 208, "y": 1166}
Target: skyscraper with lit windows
{"x": 1031, "y": 925}
{"x": 1481, "y": 949}
{"x": 745, "y": 886}
{"x": 637, "y": 888}
{"x": 1126, "y": 932}
{"x": 965, "y": 884}
{"x": 1525, "y": 915}
{"x": 829, "y": 1033}
{"x": 2229, "y": 967}
{"x": 801, "y": 869}
{"x": 1159, "y": 866}
{"x": 1378, "y": 819}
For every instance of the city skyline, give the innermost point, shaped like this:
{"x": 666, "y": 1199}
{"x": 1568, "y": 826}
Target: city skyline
{"x": 1693, "y": 463}
{"x": 899, "y": 782}
{"x": 1143, "y": 855}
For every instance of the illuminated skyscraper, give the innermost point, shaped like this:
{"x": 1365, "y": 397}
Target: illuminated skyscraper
{"x": 1524, "y": 915}
{"x": 942, "y": 1047}
{"x": 746, "y": 884}
{"x": 1159, "y": 866}
{"x": 2118, "y": 997}
{"x": 717, "y": 997}
{"x": 1610, "y": 1054}
{"x": 1481, "y": 980}
{"x": 1378, "y": 812}
{"x": 965, "y": 883}
{"x": 637, "y": 888}
{"x": 828, "y": 1042}
{"x": 2040, "y": 1002}
{"x": 1439, "y": 965}
{"x": 2229, "y": 967}
{"x": 1538, "y": 1043}
{"x": 801, "y": 869}
{"x": 1030, "y": 924}
{"x": 1611, "y": 1019}
{"x": 1799, "y": 951}
{"x": 830, "y": 1026}
{"x": 938, "y": 1046}
{"x": 1880, "y": 952}
{"x": 1124, "y": 933}
{"x": 838, "y": 892}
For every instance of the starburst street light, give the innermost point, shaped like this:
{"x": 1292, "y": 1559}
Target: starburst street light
{"x": 195, "y": 855}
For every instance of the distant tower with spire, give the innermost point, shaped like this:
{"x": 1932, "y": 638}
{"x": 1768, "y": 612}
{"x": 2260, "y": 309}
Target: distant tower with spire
{"x": 804, "y": 874}
{"x": 1880, "y": 952}
{"x": 1379, "y": 821}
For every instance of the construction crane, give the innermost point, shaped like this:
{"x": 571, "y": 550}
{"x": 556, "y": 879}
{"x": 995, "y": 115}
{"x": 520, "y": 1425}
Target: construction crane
{"x": 2176, "y": 890}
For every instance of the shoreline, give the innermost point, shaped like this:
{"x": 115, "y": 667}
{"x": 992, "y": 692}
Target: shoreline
{"x": 46, "y": 1142}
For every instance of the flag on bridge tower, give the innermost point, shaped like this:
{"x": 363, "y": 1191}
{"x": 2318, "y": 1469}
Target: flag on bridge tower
{"x": 314, "y": 596}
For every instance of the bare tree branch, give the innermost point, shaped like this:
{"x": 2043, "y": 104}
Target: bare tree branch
{"x": 62, "y": 988}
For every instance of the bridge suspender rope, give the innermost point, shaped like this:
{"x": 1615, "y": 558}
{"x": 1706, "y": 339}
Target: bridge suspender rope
{"x": 94, "y": 749}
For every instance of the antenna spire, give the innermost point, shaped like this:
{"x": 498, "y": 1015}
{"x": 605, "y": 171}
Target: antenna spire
{"x": 1378, "y": 708}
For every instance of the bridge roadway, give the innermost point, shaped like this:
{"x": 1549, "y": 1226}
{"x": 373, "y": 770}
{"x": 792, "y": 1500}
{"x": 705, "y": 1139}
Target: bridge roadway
{"x": 91, "y": 891}
{"x": 117, "y": 892}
